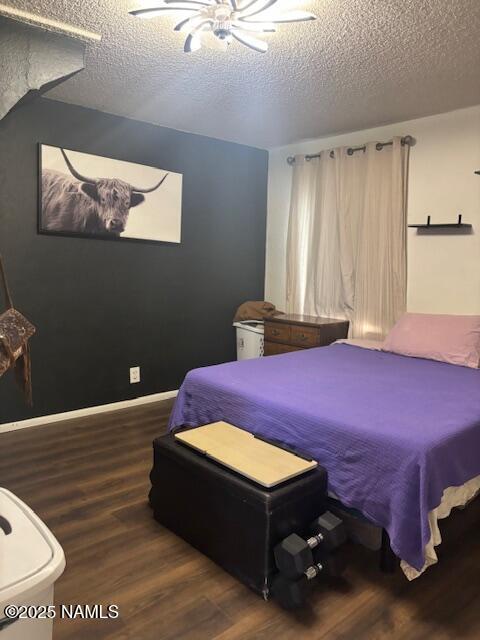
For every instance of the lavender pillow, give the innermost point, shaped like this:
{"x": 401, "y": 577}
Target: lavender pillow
{"x": 453, "y": 339}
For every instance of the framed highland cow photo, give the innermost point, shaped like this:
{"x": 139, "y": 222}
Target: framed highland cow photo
{"x": 94, "y": 197}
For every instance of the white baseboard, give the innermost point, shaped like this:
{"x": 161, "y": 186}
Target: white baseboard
{"x": 88, "y": 411}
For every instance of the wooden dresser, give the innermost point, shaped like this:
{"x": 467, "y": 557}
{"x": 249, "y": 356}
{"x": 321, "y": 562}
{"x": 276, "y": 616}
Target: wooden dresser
{"x": 291, "y": 332}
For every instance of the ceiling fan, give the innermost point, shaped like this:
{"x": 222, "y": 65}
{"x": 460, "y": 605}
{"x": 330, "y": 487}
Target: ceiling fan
{"x": 227, "y": 20}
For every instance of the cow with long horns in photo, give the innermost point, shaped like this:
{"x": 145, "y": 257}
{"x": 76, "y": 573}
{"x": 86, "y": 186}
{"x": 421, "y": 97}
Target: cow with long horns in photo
{"x": 92, "y": 206}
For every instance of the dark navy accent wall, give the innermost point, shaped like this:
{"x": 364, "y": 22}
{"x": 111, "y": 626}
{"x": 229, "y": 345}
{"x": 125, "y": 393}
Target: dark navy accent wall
{"x": 101, "y": 307}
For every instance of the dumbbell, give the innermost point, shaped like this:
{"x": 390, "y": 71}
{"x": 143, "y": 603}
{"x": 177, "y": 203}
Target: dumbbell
{"x": 292, "y": 594}
{"x": 294, "y": 554}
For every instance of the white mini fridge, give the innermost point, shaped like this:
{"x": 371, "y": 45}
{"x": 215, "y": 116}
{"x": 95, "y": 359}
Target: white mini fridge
{"x": 31, "y": 560}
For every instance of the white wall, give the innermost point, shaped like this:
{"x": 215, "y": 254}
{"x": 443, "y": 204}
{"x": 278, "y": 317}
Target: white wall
{"x": 443, "y": 270}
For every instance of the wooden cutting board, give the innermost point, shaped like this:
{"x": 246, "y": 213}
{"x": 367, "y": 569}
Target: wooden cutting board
{"x": 240, "y": 451}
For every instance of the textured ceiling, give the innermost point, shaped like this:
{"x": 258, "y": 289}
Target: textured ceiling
{"x": 361, "y": 64}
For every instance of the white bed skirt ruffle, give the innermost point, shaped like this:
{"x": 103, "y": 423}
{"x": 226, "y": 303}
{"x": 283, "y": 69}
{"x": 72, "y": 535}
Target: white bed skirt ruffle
{"x": 452, "y": 497}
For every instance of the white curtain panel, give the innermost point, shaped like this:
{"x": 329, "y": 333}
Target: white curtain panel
{"x": 346, "y": 247}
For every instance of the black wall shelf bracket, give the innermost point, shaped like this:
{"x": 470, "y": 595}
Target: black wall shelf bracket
{"x": 446, "y": 225}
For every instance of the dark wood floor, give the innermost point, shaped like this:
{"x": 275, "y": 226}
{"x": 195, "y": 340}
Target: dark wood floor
{"x": 88, "y": 480}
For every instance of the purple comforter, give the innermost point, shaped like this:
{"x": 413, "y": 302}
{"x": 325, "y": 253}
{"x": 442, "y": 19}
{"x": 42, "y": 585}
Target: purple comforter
{"x": 393, "y": 432}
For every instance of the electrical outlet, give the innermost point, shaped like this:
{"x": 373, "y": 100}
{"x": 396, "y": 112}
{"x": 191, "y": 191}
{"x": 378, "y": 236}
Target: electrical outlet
{"x": 134, "y": 375}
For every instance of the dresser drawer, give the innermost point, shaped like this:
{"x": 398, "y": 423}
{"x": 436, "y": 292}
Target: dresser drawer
{"x": 275, "y": 348}
{"x": 304, "y": 336}
{"x": 277, "y": 332}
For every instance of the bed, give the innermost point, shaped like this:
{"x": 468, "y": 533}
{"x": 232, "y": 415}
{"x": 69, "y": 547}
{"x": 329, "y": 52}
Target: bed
{"x": 399, "y": 436}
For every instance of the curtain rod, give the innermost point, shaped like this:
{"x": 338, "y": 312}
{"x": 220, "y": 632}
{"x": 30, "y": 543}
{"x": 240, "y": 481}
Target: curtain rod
{"x": 351, "y": 150}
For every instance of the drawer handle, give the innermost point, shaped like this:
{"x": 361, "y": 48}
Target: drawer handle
{"x": 303, "y": 337}
{"x": 275, "y": 332}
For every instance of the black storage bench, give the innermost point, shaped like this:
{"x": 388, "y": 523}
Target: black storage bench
{"x": 232, "y": 520}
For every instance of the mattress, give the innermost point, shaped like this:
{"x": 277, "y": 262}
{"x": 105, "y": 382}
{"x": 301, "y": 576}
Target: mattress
{"x": 393, "y": 432}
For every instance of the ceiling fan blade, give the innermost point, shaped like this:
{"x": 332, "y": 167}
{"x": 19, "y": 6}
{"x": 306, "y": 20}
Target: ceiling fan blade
{"x": 198, "y": 3}
{"x": 153, "y": 13}
{"x": 193, "y": 41}
{"x": 248, "y": 5}
{"x": 249, "y": 41}
{"x": 211, "y": 42}
{"x": 192, "y": 22}
{"x": 256, "y": 27}
{"x": 256, "y": 7}
{"x": 291, "y": 16}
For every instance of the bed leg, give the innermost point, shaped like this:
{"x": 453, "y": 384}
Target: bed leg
{"x": 388, "y": 560}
